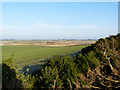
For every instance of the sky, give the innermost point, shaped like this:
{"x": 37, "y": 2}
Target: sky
{"x": 59, "y": 20}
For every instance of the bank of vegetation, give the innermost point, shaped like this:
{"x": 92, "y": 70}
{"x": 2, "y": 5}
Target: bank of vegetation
{"x": 96, "y": 66}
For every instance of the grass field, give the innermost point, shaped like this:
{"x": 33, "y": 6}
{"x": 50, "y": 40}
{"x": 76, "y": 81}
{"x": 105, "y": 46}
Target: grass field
{"x": 30, "y": 54}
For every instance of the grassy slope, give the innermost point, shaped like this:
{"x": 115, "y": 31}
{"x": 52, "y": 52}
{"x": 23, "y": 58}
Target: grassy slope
{"x": 30, "y": 54}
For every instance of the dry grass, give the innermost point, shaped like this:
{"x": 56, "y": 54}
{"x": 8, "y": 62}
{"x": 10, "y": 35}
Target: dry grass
{"x": 56, "y": 43}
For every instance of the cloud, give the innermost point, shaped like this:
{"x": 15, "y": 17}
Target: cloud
{"x": 48, "y": 26}
{"x": 48, "y": 31}
{"x": 83, "y": 26}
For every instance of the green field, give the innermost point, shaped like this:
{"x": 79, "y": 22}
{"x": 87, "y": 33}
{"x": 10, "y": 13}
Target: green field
{"x": 30, "y": 54}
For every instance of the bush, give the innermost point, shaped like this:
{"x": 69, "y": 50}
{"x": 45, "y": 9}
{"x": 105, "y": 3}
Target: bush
{"x": 82, "y": 64}
{"x": 12, "y": 78}
{"x": 48, "y": 78}
{"x": 9, "y": 79}
{"x": 92, "y": 60}
{"x": 58, "y": 68}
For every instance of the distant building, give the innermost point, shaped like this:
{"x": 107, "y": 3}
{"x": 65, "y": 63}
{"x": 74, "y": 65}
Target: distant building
{"x": 51, "y": 42}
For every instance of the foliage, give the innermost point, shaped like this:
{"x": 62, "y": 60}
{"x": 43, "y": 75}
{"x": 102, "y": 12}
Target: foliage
{"x": 12, "y": 78}
{"x": 82, "y": 64}
{"x": 60, "y": 69}
{"x": 48, "y": 78}
{"x": 92, "y": 60}
{"x": 9, "y": 79}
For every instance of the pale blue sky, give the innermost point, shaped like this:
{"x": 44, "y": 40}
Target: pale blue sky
{"x": 60, "y": 20}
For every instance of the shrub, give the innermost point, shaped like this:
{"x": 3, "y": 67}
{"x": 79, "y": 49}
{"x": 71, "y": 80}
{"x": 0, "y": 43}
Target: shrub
{"x": 82, "y": 64}
{"x": 92, "y": 60}
{"x": 48, "y": 78}
{"x": 58, "y": 68}
{"x": 9, "y": 79}
{"x": 12, "y": 78}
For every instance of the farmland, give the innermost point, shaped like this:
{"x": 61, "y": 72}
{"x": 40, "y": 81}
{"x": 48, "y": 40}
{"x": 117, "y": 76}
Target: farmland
{"x": 33, "y": 54}
{"x": 48, "y": 43}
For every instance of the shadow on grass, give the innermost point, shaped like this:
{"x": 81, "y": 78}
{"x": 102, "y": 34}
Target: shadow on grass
{"x": 42, "y": 61}
{"x": 29, "y": 69}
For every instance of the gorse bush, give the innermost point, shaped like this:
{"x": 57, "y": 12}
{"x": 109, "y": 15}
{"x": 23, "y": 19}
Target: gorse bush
{"x": 82, "y": 64}
{"x": 48, "y": 78}
{"x": 92, "y": 60}
{"x": 64, "y": 64}
{"x": 9, "y": 78}
{"x": 58, "y": 69}
{"x": 12, "y": 78}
